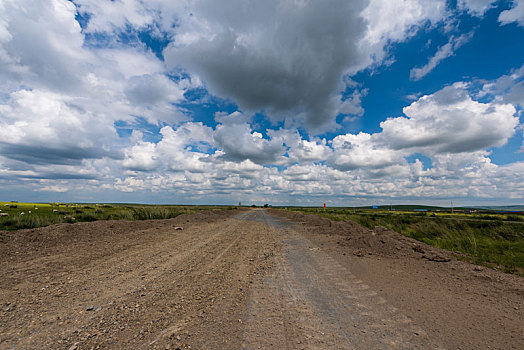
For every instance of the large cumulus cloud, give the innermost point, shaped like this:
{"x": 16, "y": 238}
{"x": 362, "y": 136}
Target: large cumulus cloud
{"x": 41, "y": 44}
{"x": 289, "y": 66}
{"x": 45, "y": 127}
{"x": 288, "y": 58}
{"x": 446, "y": 122}
{"x": 450, "y": 121}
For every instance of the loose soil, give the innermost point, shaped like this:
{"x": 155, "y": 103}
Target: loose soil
{"x": 246, "y": 280}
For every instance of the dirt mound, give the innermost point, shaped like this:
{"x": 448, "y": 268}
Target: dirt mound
{"x": 207, "y": 216}
{"x": 361, "y": 241}
{"x": 385, "y": 242}
{"x": 325, "y": 225}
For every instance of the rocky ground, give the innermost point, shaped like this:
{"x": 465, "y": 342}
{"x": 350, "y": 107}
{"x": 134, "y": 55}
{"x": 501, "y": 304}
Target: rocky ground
{"x": 247, "y": 279}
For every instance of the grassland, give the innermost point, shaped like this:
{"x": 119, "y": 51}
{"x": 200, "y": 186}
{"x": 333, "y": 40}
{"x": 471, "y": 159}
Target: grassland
{"x": 14, "y": 215}
{"x": 490, "y": 239}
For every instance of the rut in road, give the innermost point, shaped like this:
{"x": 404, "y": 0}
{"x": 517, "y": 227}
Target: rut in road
{"x": 311, "y": 301}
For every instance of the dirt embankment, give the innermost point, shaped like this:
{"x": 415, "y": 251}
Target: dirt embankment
{"x": 360, "y": 241}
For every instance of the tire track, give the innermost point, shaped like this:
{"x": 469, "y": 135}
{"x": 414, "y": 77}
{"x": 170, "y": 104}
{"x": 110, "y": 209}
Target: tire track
{"x": 324, "y": 304}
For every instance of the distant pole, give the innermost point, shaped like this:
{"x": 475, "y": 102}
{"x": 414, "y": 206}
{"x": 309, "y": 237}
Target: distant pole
{"x": 390, "y": 206}
{"x": 451, "y": 207}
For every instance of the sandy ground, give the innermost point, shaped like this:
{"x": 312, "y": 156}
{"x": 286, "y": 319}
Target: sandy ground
{"x": 247, "y": 280}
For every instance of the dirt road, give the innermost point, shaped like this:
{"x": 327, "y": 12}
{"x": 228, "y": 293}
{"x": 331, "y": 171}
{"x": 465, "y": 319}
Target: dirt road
{"x": 246, "y": 280}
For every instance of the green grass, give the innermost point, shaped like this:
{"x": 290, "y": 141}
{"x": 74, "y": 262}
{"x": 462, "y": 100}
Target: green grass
{"x": 490, "y": 242}
{"x": 45, "y": 214}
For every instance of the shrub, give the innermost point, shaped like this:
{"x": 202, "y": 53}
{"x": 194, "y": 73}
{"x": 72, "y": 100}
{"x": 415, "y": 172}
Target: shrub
{"x": 150, "y": 213}
{"x": 88, "y": 217}
{"x": 514, "y": 218}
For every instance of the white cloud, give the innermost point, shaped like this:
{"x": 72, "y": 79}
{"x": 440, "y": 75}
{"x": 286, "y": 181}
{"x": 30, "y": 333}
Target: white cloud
{"x": 45, "y": 127}
{"x": 107, "y": 15}
{"x": 506, "y": 89}
{"x": 126, "y": 62}
{"x": 515, "y": 14}
{"x": 361, "y": 151}
{"x": 444, "y": 123}
{"x": 285, "y": 68}
{"x": 231, "y": 118}
{"x": 443, "y": 52}
{"x": 352, "y": 105}
{"x": 61, "y": 99}
{"x": 179, "y": 150}
{"x": 450, "y": 121}
{"x": 141, "y": 157}
{"x": 291, "y": 68}
{"x": 479, "y": 7}
{"x": 54, "y": 188}
{"x": 41, "y": 44}
{"x": 397, "y": 20}
{"x": 239, "y": 142}
{"x": 309, "y": 151}
{"x": 475, "y": 7}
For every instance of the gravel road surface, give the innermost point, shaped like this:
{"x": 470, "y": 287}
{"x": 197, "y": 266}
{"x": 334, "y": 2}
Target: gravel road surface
{"x": 250, "y": 279}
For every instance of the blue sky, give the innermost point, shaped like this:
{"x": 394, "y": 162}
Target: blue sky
{"x": 284, "y": 102}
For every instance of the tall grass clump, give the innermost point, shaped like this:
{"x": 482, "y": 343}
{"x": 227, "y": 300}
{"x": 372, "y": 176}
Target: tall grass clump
{"x": 30, "y": 221}
{"x": 150, "y": 213}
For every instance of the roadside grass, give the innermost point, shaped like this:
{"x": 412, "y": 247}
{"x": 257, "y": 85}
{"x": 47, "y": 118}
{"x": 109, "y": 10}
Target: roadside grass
{"x": 494, "y": 243}
{"x": 440, "y": 214}
{"x": 32, "y": 215}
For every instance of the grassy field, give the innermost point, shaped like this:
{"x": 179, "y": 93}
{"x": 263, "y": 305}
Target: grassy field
{"x": 486, "y": 239}
{"x": 14, "y": 216}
